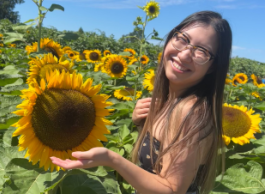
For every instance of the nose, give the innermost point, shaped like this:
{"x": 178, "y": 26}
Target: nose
{"x": 186, "y": 54}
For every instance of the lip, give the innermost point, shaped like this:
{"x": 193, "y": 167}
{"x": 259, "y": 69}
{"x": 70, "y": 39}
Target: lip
{"x": 177, "y": 70}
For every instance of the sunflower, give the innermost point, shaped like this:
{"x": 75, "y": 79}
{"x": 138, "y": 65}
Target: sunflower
{"x": 1, "y": 45}
{"x": 115, "y": 66}
{"x": 239, "y": 125}
{"x": 1, "y": 51}
{"x": 257, "y": 81}
{"x": 40, "y": 66}
{"x": 98, "y": 67}
{"x": 61, "y": 116}
{"x": 152, "y": 9}
{"x": 93, "y": 56}
{"x": 71, "y": 54}
{"x": 149, "y": 80}
{"x": 131, "y": 51}
{"x": 47, "y": 45}
{"x": 133, "y": 61}
{"x": 144, "y": 59}
{"x": 127, "y": 94}
{"x": 106, "y": 53}
{"x": 159, "y": 58}
{"x": 256, "y": 94}
{"x": 240, "y": 78}
{"x": 66, "y": 48}
{"x": 12, "y": 45}
{"x": 228, "y": 81}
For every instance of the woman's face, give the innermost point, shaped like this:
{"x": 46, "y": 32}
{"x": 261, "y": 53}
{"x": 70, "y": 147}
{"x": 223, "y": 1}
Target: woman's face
{"x": 180, "y": 68}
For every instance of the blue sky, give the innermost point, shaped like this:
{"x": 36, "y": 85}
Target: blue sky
{"x": 246, "y": 18}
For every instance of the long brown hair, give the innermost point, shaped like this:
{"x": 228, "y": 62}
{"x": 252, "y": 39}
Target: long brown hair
{"x": 206, "y": 113}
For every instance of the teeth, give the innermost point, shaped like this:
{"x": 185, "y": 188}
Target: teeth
{"x": 179, "y": 67}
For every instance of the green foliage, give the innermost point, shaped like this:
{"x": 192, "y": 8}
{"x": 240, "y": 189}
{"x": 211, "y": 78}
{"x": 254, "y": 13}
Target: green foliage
{"x": 247, "y": 66}
{"x": 7, "y": 10}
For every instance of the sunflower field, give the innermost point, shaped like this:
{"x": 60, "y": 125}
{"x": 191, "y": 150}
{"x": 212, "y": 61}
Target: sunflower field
{"x": 62, "y": 92}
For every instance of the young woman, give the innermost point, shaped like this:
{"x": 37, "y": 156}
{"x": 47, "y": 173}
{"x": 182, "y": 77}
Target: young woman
{"x": 182, "y": 122}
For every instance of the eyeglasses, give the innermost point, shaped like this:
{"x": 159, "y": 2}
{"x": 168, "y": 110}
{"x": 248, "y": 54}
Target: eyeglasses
{"x": 200, "y": 55}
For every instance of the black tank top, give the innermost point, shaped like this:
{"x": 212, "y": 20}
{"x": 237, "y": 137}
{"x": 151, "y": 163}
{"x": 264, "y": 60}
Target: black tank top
{"x": 145, "y": 159}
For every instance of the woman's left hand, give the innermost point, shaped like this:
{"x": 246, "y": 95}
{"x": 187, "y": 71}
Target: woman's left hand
{"x": 98, "y": 156}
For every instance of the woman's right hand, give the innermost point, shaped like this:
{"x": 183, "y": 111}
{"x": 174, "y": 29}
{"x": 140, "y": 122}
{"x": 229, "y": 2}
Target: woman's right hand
{"x": 141, "y": 110}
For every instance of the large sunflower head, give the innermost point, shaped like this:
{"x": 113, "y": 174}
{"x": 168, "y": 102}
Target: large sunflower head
{"x": 40, "y": 66}
{"x": 127, "y": 94}
{"x": 131, "y": 51}
{"x": 106, "y": 53}
{"x": 115, "y": 66}
{"x": 144, "y": 59}
{"x": 48, "y": 45}
{"x": 61, "y": 116}
{"x": 152, "y": 9}
{"x": 257, "y": 81}
{"x": 149, "y": 80}
{"x": 93, "y": 56}
{"x": 239, "y": 124}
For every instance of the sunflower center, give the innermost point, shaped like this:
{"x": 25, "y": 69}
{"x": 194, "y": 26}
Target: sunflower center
{"x": 50, "y": 67}
{"x": 152, "y": 9}
{"x": 62, "y": 119}
{"x": 94, "y": 56}
{"x": 117, "y": 68}
{"x": 51, "y": 50}
{"x": 71, "y": 54}
{"x": 259, "y": 81}
{"x": 235, "y": 122}
{"x": 242, "y": 78}
{"x": 143, "y": 59}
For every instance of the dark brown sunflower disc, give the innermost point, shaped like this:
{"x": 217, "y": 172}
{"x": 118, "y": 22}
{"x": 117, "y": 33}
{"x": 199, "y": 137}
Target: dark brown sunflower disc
{"x": 62, "y": 119}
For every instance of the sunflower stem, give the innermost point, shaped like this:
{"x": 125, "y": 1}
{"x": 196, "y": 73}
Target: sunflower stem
{"x": 39, "y": 25}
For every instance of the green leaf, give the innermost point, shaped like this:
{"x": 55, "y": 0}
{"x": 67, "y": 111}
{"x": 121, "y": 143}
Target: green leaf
{"x": 125, "y": 54}
{"x": 56, "y": 6}
{"x": 16, "y": 83}
{"x": 43, "y": 8}
{"x": 128, "y": 148}
{"x": 9, "y": 122}
{"x": 71, "y": 183}
{"x": 243, "y": 178}
{"x": 27, "y": 178}
{"x": 28, "y": 21}
{"x": 124, "y": 131}
{"x": 134, "y": 136}
{"x": 23, "y": 27}
{"x": 156, "y": 38}
{"x": 111, "y": 185}
{"x": 119, "y": 106}
{"x": 69, "y": 36}
{"x": 260, "y": 106}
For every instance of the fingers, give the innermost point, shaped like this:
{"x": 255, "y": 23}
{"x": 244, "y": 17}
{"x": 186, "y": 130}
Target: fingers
{"x": 67, "y": 164}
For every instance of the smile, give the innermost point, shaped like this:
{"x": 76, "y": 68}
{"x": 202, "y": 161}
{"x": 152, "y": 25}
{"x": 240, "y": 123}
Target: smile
{"x": 178, "y": 67}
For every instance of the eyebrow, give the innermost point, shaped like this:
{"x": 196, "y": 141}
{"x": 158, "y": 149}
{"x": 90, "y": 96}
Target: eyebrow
{"x": 203, "y": 47}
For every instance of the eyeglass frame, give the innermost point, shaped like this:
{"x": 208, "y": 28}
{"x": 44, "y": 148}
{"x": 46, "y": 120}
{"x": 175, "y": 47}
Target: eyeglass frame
{"x": 192, "y": 46}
